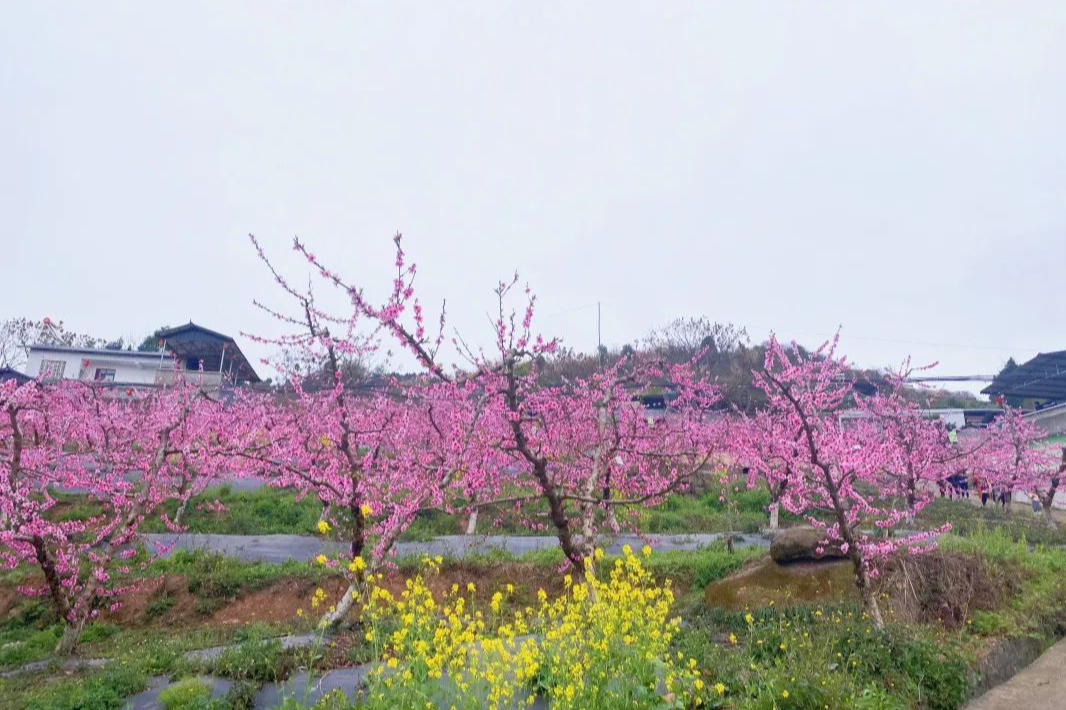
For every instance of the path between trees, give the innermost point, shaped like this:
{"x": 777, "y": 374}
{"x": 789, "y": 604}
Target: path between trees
{"x": 1041, "y": 686}
{"x": 279, "y": 548}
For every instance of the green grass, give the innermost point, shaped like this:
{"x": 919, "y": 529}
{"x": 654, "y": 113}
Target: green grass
{"x": 969, "y": 519}
{"x": 745, "y": 511}
{"x": 101, "y": 690}
{"x": 185, "y": 695}
{"x": 265, "y": 511}
{"x": 19, "y": 646}
{"x": 825, "y": 657}
{"x": 702, "y": 566}
{"x": 215, "y": 576}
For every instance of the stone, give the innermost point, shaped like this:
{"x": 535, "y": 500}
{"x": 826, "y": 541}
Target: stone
{"x": 802, "y": 543}
{"x": 770, "y": 584}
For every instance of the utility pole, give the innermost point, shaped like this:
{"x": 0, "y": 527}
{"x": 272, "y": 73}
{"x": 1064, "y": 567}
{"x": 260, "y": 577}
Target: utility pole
{"x": 599, "y": 334}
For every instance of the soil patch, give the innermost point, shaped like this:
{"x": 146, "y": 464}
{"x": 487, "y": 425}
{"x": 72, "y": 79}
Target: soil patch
{"x": 9, "y": 599}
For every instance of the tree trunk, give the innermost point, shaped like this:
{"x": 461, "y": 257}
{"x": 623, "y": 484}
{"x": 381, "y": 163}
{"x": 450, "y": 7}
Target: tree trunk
{"x": 1047, "y": 514}
{"x": 1049, "y": 497}
{"x": 71, "y": 636}
{"x": 51, "y": 576}
{"x": 179, "y": 515}
{"x": 471, "y": 522}
{"x": 344, "y": 605}
{"x": 862, "y": 582}
{"x": 775, "y": 515}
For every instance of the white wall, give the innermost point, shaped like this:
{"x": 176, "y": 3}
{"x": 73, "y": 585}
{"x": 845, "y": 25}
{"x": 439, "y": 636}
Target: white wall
{"x": 129, "y": 368}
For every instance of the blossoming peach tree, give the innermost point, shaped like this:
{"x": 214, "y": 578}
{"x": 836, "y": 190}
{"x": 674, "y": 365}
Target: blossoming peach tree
{"x": 125, "y": 455}
{"x": 375, "y": 452}
{"x": 834, "y": 471}
{"x": 1014, "y": 458}
{"x": 918, "y": 454}
{"x": 495, "y": 432}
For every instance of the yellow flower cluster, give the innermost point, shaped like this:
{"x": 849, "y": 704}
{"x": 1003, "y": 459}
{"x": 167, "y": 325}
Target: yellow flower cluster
{"x": 601, "y": 644}
{"x": 447, "y": 653}
{"x": 606, "y": 643}
{"x": 317, "y": 598}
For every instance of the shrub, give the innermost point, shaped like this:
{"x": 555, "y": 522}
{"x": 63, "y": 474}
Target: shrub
{"x": 98, "y": 631}
{"x": 241, "y": 696}
{"x": 159, "y": 604}
{"x": 185, "y": 694}
{"x": 947, "y": 586}
{"x": 24, "y": 645}
{"x": 253, "y": 659}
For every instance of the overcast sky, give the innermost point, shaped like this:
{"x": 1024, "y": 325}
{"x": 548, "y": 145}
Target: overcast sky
{"x": 894, "y": 168}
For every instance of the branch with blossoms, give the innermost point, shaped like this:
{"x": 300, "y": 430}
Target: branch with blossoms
{"x": 127, "y": 455}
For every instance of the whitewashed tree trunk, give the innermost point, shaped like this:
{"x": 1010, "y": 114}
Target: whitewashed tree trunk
{"x": 471, "y": 522}
{"x": 775, "y": 515}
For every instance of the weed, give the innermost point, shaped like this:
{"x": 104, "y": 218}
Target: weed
{"x": 253, "y": 659}
{"x": 216, "y": 576}
{"x": 185, "y": 695}
{"x": 159, "y": 604}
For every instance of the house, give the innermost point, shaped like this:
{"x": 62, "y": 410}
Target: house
{"x": 183, "y": 352}
{"x": 6, "y": 373}
{"x": 1038, "y": 383}
{"x": 195, "y": 346}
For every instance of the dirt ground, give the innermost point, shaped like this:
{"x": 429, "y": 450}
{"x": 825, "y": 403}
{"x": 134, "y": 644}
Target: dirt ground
{"x": 279, "y": 601}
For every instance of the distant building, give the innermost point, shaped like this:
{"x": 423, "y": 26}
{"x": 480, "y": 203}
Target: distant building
{"x": 1036, "y": 384}
{"x": 183, "y": 352}
{"x": 195, "y": 346}
{"x": 6, "y": 373}
{"x": 954, "y": 418}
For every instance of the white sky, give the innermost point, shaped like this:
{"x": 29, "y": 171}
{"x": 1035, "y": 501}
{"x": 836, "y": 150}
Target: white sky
{"x": 897, "y": 168}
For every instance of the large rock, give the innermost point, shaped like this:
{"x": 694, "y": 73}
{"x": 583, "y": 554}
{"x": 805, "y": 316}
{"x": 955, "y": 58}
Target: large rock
{"x": 802, "y": 543}
{"x": 770, "y": 584}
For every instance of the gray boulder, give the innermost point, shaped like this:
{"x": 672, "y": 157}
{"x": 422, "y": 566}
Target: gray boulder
{"x": 802, "y": 543}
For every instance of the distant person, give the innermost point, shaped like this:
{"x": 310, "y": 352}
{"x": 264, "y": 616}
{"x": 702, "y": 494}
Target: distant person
{"x": 982, "y": 489}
